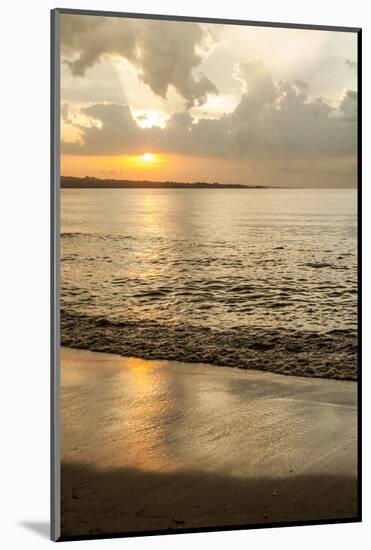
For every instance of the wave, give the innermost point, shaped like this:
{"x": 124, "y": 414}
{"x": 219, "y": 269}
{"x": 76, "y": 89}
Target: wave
{"x": 102, "y": 236}
{"x": 331, "y": 354}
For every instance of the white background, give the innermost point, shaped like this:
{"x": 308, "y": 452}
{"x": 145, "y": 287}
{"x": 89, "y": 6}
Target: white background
{"x": 24, "y": 257}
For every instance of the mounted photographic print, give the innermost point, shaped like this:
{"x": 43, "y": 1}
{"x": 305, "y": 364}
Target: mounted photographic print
{"x": 205, "y": 188}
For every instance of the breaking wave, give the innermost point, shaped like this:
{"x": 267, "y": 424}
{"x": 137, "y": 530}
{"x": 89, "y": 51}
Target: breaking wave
{"x": 331, "y": 354}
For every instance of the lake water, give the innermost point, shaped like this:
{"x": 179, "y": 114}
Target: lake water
{"x": 235, "y": 277}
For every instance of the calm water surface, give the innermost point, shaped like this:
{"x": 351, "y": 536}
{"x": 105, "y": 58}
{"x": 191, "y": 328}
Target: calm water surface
{"x": 216, "y": 260}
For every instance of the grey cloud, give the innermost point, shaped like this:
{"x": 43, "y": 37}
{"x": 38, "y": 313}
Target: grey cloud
{"x": 252, "y": 120}
{"x": 301, "y": 85}
{"x": 117, "y": 131}
{"x": 164, "y": 54}
{"x": 351, "y": 64}
{"x": 65, "y": 111}
{"x": 348, "y": 106}
{"x": 277, "y": 118}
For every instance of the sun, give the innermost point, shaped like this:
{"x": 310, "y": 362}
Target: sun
{"x": 144, "y": 161}
{"x": 148, "y": 157}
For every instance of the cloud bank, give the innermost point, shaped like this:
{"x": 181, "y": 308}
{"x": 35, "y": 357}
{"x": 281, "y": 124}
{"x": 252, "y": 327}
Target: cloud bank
{"x": 273, "y": 119}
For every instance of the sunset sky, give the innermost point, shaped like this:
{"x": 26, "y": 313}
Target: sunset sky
{"x": 184, "y": 101}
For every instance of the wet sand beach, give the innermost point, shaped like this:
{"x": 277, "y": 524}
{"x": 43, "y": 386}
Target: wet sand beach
{"x": 159, "y": 445}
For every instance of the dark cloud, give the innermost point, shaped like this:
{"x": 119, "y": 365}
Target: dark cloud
{"x": 164, "y": 54}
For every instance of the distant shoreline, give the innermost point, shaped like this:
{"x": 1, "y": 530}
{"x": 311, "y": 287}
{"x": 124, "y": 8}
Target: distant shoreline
{"x": 69, "y": 182}
{"x": 89, "y": 182}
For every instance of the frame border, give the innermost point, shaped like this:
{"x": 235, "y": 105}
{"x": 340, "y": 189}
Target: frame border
{"x": 55, "y": 493}
{"x": 195, "y": 19}
{"x": 55, "y": 457}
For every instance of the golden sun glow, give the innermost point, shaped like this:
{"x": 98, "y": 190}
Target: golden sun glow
{"x": 148, "y": 157}
{"x": 146, "y": 161}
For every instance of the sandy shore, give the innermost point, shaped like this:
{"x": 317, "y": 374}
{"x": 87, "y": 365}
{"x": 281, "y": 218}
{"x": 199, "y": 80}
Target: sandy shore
{"x": 158, "y": 445}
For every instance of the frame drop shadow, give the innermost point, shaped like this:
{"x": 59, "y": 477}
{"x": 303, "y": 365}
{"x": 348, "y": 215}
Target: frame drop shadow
{"x": 41, "y": 528}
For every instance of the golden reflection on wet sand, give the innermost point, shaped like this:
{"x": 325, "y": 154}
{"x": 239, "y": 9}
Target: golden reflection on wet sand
{"x": 160, "y": 416}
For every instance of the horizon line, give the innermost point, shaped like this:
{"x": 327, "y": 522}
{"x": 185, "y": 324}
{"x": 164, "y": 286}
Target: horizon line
{"x": 91, "y": 182}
